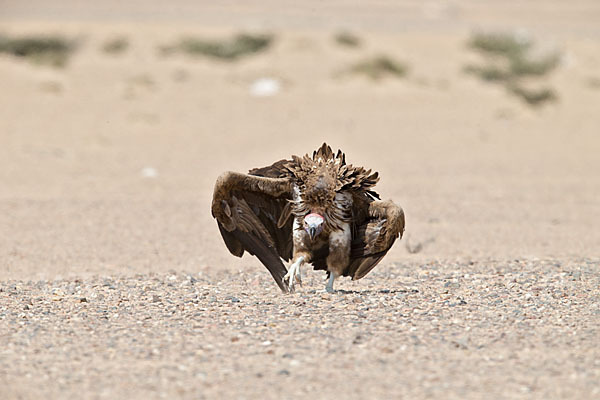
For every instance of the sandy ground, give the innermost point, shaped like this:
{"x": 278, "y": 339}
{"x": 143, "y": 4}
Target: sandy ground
{"x": 114, "y": 281}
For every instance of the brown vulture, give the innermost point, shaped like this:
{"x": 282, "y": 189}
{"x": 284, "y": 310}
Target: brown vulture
{"x": 316, "y": 210}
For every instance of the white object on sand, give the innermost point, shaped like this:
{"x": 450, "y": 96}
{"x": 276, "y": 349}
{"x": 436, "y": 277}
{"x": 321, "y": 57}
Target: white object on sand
{"x": 149, "y": 172}
{"x": 264, "y": 87}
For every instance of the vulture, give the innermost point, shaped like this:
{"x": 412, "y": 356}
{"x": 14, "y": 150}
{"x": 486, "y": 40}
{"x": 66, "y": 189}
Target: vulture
{"x": 311, "y": 210}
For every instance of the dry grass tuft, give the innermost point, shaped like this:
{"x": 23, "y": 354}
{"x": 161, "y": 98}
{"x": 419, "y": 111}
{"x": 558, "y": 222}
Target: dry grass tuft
{"x": 502, "y": 44}
{"x": 509, "y": 61}
{"x": 534, "y": 96}
{"x": 227, "y": 50}
{"x": 380, "y": 67}
{"x": 347, "y": 39}
{"x": 46, "y": 50}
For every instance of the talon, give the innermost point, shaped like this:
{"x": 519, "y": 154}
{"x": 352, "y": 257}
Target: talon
{"x": 289, "y": 277}
{"x": 293, "y": 274}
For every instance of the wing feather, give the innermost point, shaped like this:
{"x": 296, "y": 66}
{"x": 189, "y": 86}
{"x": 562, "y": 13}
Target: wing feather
{"x": 265, "y": 254}
{"x": 374, "y": 235}
{"x": 249, "y": 211}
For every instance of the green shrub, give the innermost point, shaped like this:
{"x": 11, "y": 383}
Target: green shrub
{"x": 509, "y": 61}
{"x": 347, "y": 39}
{"x": 523, "y": 66}
{"x": 502, "y": 44}
{"x": 50, "y": 50}
{"x": 490, "y": 73}
{"x": 533, "y": 97}
{"x": 229, "y": 50}
{"x": 379, "y": 67}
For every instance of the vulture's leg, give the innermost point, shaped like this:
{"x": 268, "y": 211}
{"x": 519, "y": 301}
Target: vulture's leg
{"x": 302, "y": 254}
{"x": 339, "y": 254}
{"x": 293, "y": 275}
{"x": 329, "y": 286}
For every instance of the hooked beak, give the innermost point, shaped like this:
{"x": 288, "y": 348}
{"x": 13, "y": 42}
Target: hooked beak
{"x": 313, "y": 224}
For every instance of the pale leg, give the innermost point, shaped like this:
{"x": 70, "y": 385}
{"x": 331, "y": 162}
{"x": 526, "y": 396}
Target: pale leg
{"x": 329, "y": 286}
{"x": 339, "y": 254}
{"x": 293, "y": 273}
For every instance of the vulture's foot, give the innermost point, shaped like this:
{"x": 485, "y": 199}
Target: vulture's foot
{"x": 329, "y": 286}
{"x": 293, "y": 275}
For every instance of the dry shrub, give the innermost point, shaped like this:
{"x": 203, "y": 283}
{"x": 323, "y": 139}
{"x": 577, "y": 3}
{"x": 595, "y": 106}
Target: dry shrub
{"x": 227, "y": 49}
{"x": 347, "y": 39}
{"x": 47, "y": 50}
{"x": 379, "y": 67}
{"x": 510, "y": 61}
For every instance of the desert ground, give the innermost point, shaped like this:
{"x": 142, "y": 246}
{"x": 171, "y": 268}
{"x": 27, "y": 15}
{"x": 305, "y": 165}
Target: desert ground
{"x": 115, "y": 282}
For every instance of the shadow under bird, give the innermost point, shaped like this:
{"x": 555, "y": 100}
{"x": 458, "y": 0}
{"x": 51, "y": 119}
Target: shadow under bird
{"x": 316, "y": 210}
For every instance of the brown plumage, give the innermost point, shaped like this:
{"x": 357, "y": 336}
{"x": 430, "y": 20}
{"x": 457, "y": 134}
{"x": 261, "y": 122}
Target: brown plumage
{"x": 316, "y": 210}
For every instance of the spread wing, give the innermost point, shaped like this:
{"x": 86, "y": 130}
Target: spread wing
{"x": 253, "y": 214}
{"x": 377, "y": 226}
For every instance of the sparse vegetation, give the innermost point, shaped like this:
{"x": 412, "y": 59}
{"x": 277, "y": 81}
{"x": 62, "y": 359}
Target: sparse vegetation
{"x": 48, "y": 50}
{"x": 490, "y": 73}
{"x": 533, "y": 96}
{"x": 116, "y": 45}
{"x": 228, "y": 50}
{"x": 380, "y": 67}
{"x": 347, "y": 39}
{"x": 531, "y": 66}
{"x": 506, "y": 45}
{"x": 509, "y": 61}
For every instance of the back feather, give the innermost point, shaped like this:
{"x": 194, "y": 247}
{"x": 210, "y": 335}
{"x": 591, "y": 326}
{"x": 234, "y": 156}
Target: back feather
{"x": 325, "y": 162}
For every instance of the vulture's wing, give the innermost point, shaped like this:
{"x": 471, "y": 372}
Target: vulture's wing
{"x": 376, "y": 230}
{"x": 253, "y": 214}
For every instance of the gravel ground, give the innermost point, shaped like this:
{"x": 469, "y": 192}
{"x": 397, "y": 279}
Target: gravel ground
{"x": 452, "y": 329}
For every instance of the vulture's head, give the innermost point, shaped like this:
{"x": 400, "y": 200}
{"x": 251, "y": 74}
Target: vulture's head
{"x": 318, "y": 198}
{"x": 313, "y": 224}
